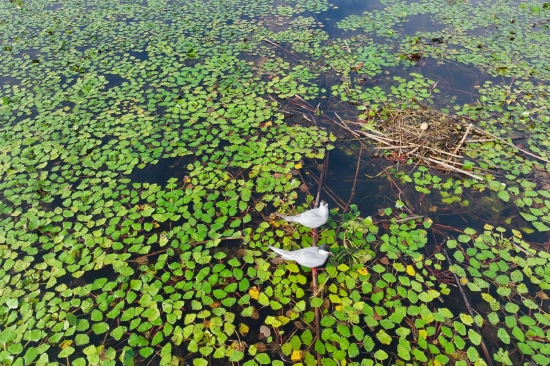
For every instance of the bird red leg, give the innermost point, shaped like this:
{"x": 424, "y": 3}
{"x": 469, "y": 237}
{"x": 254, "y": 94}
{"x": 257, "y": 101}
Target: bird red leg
{"x": 314, "y": 270}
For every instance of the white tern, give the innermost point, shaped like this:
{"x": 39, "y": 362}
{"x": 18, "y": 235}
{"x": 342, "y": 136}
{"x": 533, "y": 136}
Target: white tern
{"x": 308, "y": 257}
{"x": 311, "y": 218}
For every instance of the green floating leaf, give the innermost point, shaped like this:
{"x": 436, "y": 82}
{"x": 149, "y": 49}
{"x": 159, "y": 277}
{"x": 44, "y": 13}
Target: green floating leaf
{"x": 504, "y": 195}
{"x": 503, "y": 335}
{"x": 66, "y": 352}
{"x": 316, "y": 302}
{"x": 381, "y": 355}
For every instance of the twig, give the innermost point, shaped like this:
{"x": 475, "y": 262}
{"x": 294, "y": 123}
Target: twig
{"x": 521, "y": 249}
{"x": 383, "y": 140}
{"x": 314, "y": 244}
{"x": 413, "y": 150}
{"x": 512, "y": 145}
{"x": 479, "y": 140}
{"x": 450, "y": 167}
{"x": 322, "y": 179}
{"x": 349, "y": 51}
{"x": 467, "y": 303}
{"x": 322, "y": 286}
{"x": 402, "y": 194}
{"x": 354, "y": 180}
{"x": 401, "y": 221}
{"x": 330, "y": 193}
{"x": 410, "y": 218}
{"x": 276, "y": 45}
{"x": 352, "y": 190}
{"x": 390, "y": 147}
{"x": 463, "y": 138}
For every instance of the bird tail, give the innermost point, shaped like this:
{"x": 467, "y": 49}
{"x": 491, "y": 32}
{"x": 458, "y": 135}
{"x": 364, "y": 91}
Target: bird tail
{"x": 287, "y": 218}
{"x": 281, "y": 252}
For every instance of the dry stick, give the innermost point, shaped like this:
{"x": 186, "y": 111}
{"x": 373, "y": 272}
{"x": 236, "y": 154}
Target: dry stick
{"x": 349, "y": 51}
{"x": 406, "y": 219}
{"x": 330, "y": 193}
{"x": 354, "y": 181}
{"x": 383, "y": 140}
{"x": 276, "y": 45}
{"x": 322, "y": 179}
{"x": 467, "y": 303}
{"x": 450, "y": 167}
{"x": 463, "y": 138}
{"x": 402, "y": 194}
{"x": 413, "y": 150}
{"x": 411, "y": 144}
{"x": 391, "y": 147}
{"x": 512, "y": 145}
{"x": 479, "y": 140}
{"x": 352, "y": 193}
{"x": 345, "y": 126}
{"x": 314, "y": 244}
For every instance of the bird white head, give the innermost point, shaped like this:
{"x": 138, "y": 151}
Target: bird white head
{"x": 325, "y": 249}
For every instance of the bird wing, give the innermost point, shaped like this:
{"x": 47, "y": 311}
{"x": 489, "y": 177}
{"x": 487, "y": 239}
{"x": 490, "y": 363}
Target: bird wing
{"x": 287, "y": 218}
{"x": 310, "y": 257}
{"x": 313, "y": 213}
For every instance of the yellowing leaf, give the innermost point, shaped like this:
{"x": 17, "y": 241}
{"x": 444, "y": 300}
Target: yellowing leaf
{"x": 516, "y": 233}
{"x": 487, "y": 297}
{"x": 339, "y": 308}
{"x": 298, "y": 166}
{"x": 268, "y": 124}
{"x": 243, "y": 329}
{"x": 296, "y": 355}
{"x": 423, "y": 333}
{"x": 65, "y": 344}
{"x": 254, "y": 293}
{"x": 464, "y": 280}
{"x": 410, "y": 270}
{"x": 363, "y": 271}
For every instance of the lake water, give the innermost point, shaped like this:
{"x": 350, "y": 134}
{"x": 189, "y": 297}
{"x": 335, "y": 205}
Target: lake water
{"x": 145, "y": 147}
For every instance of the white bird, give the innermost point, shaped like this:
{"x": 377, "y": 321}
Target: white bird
{"x": 308, "y": 257}
{"x": 311, "y": 218}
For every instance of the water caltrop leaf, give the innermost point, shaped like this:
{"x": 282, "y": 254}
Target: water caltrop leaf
{"x": 381, "y": 355}
{"x": 472, "y": 353}
{"x": 316, "y": 302}
{"x": 540, "y": 226}
{"x": 474, "y": 336}
{"x": 504, "y": 195}
{"x": 458, "y": 256}
{"x": 263, "y": 299}
{"x": 263, "y": 359}
{"x": 66, "y": 352}
{"x": 503, "y": 335}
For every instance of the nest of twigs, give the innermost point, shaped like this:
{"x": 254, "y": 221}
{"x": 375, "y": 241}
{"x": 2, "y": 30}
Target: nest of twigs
{"x": 422, "y": 132}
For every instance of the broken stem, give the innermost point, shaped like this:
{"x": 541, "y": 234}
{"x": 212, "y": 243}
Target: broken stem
{"x": 450, "y": 167}
{"x": 463, "y": 138}
{"x": 512, "y": 145}
{"x": 470, "y": 311}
